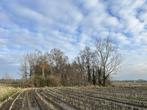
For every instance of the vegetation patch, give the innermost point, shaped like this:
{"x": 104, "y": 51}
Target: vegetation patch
{"x": 5, "y": 92}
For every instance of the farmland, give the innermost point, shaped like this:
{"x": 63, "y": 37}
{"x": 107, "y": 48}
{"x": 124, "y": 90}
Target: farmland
{"x": 79, "y": 98}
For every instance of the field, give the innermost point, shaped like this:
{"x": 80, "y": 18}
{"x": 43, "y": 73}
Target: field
{"x": 79, "y": 98}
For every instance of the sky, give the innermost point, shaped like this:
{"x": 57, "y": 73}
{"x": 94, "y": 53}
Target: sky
{"x": 70, "y": 25}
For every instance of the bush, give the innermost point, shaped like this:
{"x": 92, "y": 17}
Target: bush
{"x": 53, "y": 80}
{"x": 6, "y": 91}
{"x": 39, "y": 81}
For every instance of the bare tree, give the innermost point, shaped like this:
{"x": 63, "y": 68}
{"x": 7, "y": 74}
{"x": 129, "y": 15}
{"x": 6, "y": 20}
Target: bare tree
{"x": 108, "y": 58}
{"x": 24, "y": 68}
{"x": 7, "y": 78}
{"x": 58, "y": 61}
{"x": 86, "y": 61}
{"x": 32, "y": 59}
{"x": 43, "y": 64}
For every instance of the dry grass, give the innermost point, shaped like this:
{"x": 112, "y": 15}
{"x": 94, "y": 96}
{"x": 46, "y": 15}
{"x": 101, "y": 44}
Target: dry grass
{"x": 5, "y": 92}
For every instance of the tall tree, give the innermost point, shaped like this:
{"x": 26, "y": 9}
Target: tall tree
{"x": 58, "y": 61}
{"x": 24, "y": 68}
{"x": 85, "y": 60}
{"x": 109, "y": 58}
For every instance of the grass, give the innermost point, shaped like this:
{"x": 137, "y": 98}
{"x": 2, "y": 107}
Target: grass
{"x": 6, "y": 91}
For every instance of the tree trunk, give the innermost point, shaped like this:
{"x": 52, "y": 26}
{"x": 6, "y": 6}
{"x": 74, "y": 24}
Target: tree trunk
{"x": 104, "y": 77}
{"x": 93, "y": 78}
{"x": 99, "y": 76}
{"x": 43, "y": 73}
{"x": 89, "y": 74}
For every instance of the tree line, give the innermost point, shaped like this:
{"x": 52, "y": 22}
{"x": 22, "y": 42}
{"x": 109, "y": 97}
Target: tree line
{"x": 92, "y": 66}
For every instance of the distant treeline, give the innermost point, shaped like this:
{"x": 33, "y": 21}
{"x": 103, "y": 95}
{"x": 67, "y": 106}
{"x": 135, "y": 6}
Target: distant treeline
{"x": 90, "y": 66}
{"x": 131, "y": 81}
{"x": 11, "y": 82}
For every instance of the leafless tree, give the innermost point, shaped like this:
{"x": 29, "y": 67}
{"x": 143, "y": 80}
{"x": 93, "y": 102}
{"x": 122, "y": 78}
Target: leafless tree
{"x": 85, "y": 60}
{"x": 24, "y": 68}
{"x": 58, "y": 61}
{"x": 108, "y": 58}
{"x": 32, "y": 59}
{"x": 7, "y": 78}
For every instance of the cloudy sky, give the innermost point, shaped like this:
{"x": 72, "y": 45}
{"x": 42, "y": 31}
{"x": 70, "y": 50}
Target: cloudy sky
{"x": 26, "y": 25}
